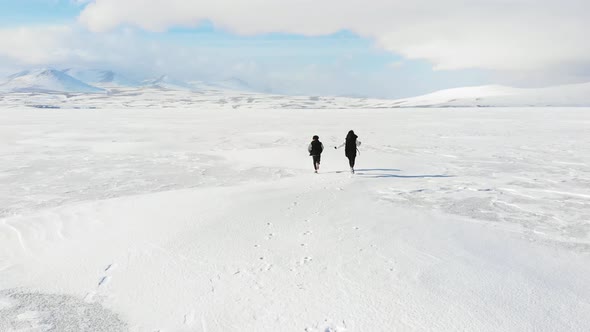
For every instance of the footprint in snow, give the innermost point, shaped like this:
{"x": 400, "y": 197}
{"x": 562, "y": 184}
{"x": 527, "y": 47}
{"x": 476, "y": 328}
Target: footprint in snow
{"x": 306, "y": 260}
{"x": 106, "y": 278}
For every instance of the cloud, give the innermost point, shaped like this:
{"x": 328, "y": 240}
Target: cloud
{"x": 41, "y": 45}
{"x": 142, "y": 55}
{"x": 34, "y": 45}
{"x": 450, "y": 34}
{"x": 63, "y": 46}
{"x": 320, "y": 66}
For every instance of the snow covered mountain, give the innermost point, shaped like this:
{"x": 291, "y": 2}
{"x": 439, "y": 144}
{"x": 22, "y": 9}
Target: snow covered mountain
{"x": 46, "y": 81}
{"x": 236, "y": 93}
{"x": 102, "y": 78}
{"x": 164, "y": 82}
{"x": 233, "y": 84}
{"x": 502, "y": 96}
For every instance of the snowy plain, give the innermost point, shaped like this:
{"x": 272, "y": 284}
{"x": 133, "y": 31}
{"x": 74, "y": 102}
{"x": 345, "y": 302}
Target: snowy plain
{"x": 199, "y": 219}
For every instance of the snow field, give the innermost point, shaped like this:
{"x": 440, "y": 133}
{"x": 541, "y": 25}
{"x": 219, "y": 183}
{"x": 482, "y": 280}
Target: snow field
{"x": 195, "y": 220}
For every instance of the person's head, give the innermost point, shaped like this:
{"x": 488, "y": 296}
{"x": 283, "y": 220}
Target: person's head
{"x": 350, "y": 134}
{"x": 315, "y": 137}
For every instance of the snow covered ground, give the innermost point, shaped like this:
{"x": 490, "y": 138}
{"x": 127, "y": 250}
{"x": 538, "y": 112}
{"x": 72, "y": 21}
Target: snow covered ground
{"x": 212, "y": 220}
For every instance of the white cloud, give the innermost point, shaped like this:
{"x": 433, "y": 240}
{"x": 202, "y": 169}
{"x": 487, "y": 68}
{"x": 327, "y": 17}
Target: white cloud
{"x": 451, "y": 34}
{"x": 34, "y": 45}
{"x": 136, "y": 54}
{"x": 62, "y": 44}
{"x": 263, "y": 65}
{"x": 72, "y": 45}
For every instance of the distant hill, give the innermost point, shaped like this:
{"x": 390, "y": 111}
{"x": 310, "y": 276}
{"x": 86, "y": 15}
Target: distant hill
{"x": 102, "y": 78}
{"x": 233, "y": 84}
{"x": 118, "y": 86}
{"x": 502, "y": 96}
{"x": 164, "y": 82}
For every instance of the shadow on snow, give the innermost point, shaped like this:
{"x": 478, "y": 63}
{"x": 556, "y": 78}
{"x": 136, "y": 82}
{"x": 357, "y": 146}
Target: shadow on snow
{"x": 368, "y": 174}
{"x": 379, "y": 170}
{"x": 377, "y": 176}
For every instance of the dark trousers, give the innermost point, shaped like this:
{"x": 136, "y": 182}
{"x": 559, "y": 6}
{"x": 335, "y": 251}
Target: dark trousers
{"x": 316, "y": 162}
{"x": 351, "y": 160}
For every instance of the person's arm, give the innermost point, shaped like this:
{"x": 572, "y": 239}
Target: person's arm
{"x": 358, "y": 143}
{"x": 341, "y": 145}
{"x": 322, "y": 147}
{"x": 309, "y": 148}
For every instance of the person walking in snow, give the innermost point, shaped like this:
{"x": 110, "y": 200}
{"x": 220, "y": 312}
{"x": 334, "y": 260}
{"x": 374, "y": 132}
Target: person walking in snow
{"x": 350, "y": 145}
{"x": 315, "y": 150}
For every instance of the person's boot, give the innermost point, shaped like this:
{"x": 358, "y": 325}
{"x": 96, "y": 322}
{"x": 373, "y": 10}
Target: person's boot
{"x": 352, "y": 170}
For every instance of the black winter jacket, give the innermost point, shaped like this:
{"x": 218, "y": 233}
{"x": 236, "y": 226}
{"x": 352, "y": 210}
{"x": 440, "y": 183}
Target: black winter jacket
{"x": 315, "y": 148}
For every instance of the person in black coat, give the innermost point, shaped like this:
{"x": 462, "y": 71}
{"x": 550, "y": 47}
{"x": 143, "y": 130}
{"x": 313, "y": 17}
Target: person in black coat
{"x": 350, "y": 145}
{"x": 315, "y": 150}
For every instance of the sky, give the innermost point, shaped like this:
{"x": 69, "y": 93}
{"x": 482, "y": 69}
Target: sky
{"x": 375, "y": 48}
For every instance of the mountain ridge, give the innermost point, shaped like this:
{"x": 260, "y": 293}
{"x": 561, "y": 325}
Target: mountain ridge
{"x": 48, "y": 80}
